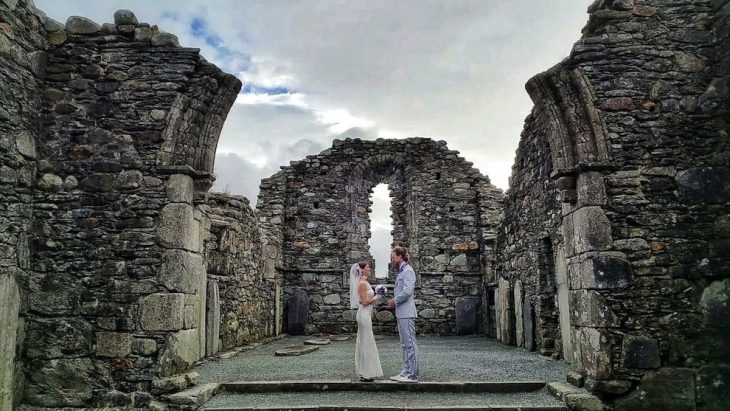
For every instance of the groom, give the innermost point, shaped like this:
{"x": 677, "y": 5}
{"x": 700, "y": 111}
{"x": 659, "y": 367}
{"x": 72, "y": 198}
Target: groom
{"x": 405, "y": 312}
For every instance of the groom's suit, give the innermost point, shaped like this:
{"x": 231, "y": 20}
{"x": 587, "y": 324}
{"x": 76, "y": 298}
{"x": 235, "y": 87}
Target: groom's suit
{"x": 405, "y": 312}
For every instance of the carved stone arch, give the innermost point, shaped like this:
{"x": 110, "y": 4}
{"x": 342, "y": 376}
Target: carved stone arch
{"x": 576, "y": 132}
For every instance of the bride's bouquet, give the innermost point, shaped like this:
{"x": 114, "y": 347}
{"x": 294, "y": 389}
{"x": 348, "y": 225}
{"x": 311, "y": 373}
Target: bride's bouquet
{"x": 381, "y": 289}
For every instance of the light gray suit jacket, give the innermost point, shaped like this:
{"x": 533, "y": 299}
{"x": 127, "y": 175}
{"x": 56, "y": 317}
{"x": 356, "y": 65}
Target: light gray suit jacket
{"x": 405, "y": 284}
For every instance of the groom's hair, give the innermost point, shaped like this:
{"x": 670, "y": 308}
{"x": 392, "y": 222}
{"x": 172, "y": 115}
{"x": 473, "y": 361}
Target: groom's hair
{"x": 401, "y": 252}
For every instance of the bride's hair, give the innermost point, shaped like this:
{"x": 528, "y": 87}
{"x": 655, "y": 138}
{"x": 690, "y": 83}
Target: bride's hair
{"x": 363, "y": 264}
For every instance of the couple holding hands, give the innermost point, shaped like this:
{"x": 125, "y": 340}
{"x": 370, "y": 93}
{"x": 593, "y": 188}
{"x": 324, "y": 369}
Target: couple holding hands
{"x": 362, "y": 297}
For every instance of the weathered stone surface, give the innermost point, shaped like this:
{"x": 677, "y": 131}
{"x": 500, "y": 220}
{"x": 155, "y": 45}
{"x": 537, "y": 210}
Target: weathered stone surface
{"x": 125, "y": 17}
{"x": 111, "y": 344}
{"x": 180, "y": 189}
{"x": 712, "y": 382}
{"x": 715, "y": 304}
{"x": 667, "y": 389}
{"x": 317, "y": 341}
{"x": 297, "y": 312}
{"x": 519, "y": 324}
{"x": 162, "y": 312}
{"x": 81, "y": 25}
{"x": 505, "y": 319}
{"x": 182, "y": 350}
{"x": 213, "y": 319}
{"x": 528, "y": 322}
{"x": 52, "y": 25}
{"x": 144, "y": 346}
{"x": 182, "y": 271}
{"x": 165, "y": 40}
{"x": 9, "y": 309}
{"x": 704, "y": 184}
{"x": 592, "y": 352}
{"x": 177, "y": 228}
{"x": 195, "y": 396}
{"x": 58, "y": 337}
{"x": 384, "y": 316}
{"x": 589, "y": 309}
{"x": 296, "y": 350}
{"x": 61, "y": 383}
{"x": 613, "y": 387}
{"x": 50, "y": 182}
{"x": 640, "y": 352}
{"x": 466, "y": 315}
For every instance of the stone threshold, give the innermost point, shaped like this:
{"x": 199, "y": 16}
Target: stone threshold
{"x": 383, "y": 386}
{"x": 386, "y": 408}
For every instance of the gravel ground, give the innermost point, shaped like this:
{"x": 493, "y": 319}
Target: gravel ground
{"x": 363, "y": 399}
{"x": 441, "y": 359}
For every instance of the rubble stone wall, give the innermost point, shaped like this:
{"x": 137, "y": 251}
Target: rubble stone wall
{"x": 636, "y": 123}
{"x": 247, "y": 300}
{"x": 443, "y": 210}
{"x": 104, "y": 241}
{"x": 22, "y": 68}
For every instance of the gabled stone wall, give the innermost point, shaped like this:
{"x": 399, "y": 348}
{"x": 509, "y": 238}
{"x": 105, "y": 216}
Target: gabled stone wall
{"x": 636, "y": 123}
{"x": 443, "y": 210}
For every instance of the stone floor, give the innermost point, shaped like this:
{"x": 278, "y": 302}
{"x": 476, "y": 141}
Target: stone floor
{"x": 442, "y": 359}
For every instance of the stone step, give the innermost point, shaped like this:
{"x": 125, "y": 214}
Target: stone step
{"x": 391, "y": 401}
{"x": 383, "y": 386}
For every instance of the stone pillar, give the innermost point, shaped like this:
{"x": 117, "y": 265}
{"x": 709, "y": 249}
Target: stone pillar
{"x": 506, "y": 319}
{"x": 213, "y": 319}
{"x": 9, "y": 309}
{"x": 519, "y": 325}
{"x": 561, "y": 274}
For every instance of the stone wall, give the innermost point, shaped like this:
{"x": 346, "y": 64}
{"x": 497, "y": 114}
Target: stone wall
{"x": 443, "y": 210}
{"x": 636, "y": 123}
{"x": 113, "y": 286}
{"x": 247, "y": 301}
{"x": 22, "y": 68}
{"x": 532, "y": 206}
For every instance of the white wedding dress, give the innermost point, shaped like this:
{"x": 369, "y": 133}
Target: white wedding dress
{"x": 367, "y": 360}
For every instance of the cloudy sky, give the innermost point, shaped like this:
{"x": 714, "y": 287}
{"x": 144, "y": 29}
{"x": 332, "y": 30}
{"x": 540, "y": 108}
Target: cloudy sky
{"x": 316, "y": 70}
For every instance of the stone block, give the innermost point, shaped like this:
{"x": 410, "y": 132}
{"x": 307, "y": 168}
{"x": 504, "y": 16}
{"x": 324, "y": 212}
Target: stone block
{"x": 57, "y": 337}
{"x": 667, "y": 389}
{"x": 162, "y": 312}
{"x": 297, "y": 312}
{"x": 111, "y": 344}
{"x": 81, "y": 25}
{"x": 181, "y": 271}
{"x": 177, "y": 228}
{"x": 715, "y": 304}
{"x": 191, "y": 318}
{"x": 125, "y": 17}
{"x": 382, "y": 316}
{"x": 613, "y": 387}
{"x": 640, "y": 352}
{"x": 25, "y": 144}
{"x": 591, "y": 352}
{"x": 606, "y": 272}
{"x": 182, "y": 350}
{"x": 144, "y": 346}
{"x": 589, "y": 309}
{"x": 519, "y": 324}
{"x": 60, "y": 383}
{"x": 180, "y": 189}
{"x": 591, "y": 189}
{"x": 704, "y": 185}
{"x": 591, "y": 230}
{"x": 165, "y": 40}
{"x": 332, "y": 299}
{"x": 466, "y": 315}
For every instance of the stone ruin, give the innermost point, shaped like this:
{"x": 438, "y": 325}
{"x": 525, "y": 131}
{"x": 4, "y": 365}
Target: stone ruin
{"x": 118, "y": 270}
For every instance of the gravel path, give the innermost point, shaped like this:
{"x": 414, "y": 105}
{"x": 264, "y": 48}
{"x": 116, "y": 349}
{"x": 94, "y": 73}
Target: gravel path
{"x": 441, "y": 359}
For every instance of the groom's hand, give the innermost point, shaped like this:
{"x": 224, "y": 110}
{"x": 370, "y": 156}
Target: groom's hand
{"x": 391, "y": 304}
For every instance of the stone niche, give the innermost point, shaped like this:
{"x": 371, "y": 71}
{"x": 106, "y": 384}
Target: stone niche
{"x": 444, "y": 210}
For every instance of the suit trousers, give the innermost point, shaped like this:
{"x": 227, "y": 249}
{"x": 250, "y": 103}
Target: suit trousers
{"x": 407, "y": 333}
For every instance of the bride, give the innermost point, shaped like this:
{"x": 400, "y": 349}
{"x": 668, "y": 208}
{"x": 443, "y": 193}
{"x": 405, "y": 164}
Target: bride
{"x": 362, "y": 297}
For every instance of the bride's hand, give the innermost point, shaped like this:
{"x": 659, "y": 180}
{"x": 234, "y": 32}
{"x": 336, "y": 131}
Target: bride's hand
{"x": 377, "y": 297}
